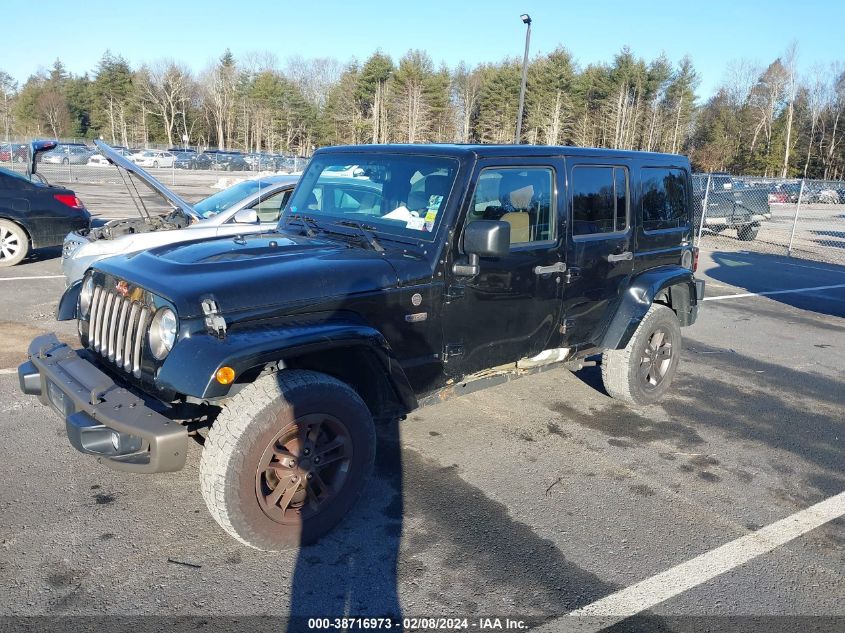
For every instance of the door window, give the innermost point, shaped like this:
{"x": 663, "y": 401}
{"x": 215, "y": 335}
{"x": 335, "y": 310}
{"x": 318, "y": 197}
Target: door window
{"x": 664, "y": 199}
{"x": 520, "y": 196}
{"x": 599, "y": 200}
{"x": 270, "y": 208}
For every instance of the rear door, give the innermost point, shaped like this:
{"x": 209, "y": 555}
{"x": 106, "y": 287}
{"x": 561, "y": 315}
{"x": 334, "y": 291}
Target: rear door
{"x": 663, "y": 215}
{"x": 599, "y": 243}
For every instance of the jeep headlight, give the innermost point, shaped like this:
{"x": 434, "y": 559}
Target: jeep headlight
{"x": 85, "y": 295}
{"x": 163, "y": 332}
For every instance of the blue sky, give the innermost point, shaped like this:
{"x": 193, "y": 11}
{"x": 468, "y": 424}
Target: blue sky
{"x": 713, "y": 33}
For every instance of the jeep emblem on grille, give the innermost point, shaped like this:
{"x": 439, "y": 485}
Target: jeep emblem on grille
{"x": 122, "y": 288}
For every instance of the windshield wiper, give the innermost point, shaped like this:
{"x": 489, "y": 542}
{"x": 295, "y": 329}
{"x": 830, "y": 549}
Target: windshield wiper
{"x": 366, "y": 232}
{"x": 307, "y": 223}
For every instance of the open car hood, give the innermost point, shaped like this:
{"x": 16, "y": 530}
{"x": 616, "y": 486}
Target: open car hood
{"x": 120, "y": 161}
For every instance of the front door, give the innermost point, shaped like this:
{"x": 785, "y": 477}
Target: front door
{"x": 511, "y": 309}
{"x": 599, "y": 244}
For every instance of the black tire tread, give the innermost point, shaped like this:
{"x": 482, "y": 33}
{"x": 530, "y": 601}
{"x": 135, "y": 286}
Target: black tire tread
{"x": 616, "y": 363}
{"x": 230, "y": 439}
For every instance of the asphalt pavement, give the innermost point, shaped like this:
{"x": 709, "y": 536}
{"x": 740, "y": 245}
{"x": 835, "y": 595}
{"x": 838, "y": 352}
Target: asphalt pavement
{"x": 525, "y": 501}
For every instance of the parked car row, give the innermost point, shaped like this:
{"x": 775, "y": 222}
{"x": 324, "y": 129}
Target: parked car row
{"x": 815, "y": 193}
{"x": 174, "y": 157}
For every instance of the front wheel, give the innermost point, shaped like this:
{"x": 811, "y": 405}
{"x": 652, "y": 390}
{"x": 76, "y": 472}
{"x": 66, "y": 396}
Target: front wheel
{"x": 287, "y": 458}
{"x": 155, "y": 164}
{"x": 14, "y": 243}
{"x": 642, "y": 372}
{"x": 748, "y": 232}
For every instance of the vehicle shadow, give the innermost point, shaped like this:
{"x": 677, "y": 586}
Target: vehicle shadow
{"x": 43, "y": 255}
{"x": 352, "y": 571}
{"x": 758, "y": 272}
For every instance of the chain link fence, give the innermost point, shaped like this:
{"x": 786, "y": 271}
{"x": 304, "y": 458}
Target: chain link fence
{"x": 794, "y": 217}
{"x": 79, "y": 163}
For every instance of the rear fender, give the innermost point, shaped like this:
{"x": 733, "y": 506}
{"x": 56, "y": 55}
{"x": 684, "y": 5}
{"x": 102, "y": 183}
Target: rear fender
{"x": 191, "y": 367}
{"x": 639, "y": 297}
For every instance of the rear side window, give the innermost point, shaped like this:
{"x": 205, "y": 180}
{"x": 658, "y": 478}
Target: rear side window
{"x": 664, "y": 199}
{"x": 599, "y": 200}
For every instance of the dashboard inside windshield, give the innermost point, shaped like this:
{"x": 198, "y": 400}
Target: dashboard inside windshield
{"x": 396, "y": 194}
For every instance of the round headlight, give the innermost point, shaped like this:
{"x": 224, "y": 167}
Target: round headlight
{"x": 163, "y": 332}
{"x": 85, "y": 295}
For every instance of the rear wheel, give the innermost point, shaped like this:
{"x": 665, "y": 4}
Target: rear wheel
{"x": 287, "y": 457}
{"x": 155, "y": 164}
{"x": 748, "y": 232}
{"x": 65, "y": 161}
{"x": 641, "y": 373}
{"x": 14, "y": 243}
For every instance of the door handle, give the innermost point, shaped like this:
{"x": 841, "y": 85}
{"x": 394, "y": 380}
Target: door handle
{"x": 621, "y": 257}
{"x": 560, "y": 267}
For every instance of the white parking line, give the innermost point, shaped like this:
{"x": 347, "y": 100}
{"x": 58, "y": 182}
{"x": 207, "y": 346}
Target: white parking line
{"x": 9, "y": 370}
{"x": 34, "y": 277}
{"x": 766, "y": 293}
{"x": 668, "y": 584}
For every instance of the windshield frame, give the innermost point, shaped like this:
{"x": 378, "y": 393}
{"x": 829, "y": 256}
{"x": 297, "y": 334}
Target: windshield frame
{"x": 381, "y": 230}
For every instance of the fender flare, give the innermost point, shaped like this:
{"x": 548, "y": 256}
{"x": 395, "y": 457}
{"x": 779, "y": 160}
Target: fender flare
{"x": 638, "y": 297}
{"x": 66, "y": 310}
{"x": 191, "y": 366}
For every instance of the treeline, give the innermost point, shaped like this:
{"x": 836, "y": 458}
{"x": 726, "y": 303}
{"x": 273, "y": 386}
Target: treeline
{"x": 766, "y": 121}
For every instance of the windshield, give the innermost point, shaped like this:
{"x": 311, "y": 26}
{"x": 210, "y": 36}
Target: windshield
{"x": 219, "y": 202}
{"x": 402, "y": 195}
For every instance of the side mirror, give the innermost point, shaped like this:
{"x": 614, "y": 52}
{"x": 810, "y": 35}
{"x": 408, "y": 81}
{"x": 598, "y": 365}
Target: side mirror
{"x": 246, "y": 216}
{"x": 484, "y": 238}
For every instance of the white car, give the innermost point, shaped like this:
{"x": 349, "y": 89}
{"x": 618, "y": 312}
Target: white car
{"x": 251, "y": 206}
{"x": 345, "y": 171}
{"x": 100, "y": 160}
{"x": 153, "y": 158}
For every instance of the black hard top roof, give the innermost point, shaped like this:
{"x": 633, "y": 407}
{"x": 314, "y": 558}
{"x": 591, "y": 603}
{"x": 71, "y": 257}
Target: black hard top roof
{"x": 482, "y": 151}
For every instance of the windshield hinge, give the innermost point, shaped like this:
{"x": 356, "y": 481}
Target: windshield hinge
{"x": 214, "y": 322}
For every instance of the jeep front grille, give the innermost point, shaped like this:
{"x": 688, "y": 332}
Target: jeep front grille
{"x": 116, "y": 329}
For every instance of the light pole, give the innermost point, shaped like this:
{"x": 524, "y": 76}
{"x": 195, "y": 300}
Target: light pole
{"x": 526, "y": 19}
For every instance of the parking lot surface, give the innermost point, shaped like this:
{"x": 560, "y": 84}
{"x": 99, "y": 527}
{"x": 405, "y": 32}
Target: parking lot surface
{"x": 527, "y": 500}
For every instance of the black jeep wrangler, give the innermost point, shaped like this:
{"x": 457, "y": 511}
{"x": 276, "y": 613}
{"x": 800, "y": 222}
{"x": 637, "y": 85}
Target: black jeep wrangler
{"x": 433, "y": 271}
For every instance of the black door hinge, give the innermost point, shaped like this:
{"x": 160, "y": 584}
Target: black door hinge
{"x": 452, "y": 350}
{"x": 453, "y": 292}
{"x": 567, "y": 324}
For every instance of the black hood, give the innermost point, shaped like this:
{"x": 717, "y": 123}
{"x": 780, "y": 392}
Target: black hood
{"x": 254, "y": 271}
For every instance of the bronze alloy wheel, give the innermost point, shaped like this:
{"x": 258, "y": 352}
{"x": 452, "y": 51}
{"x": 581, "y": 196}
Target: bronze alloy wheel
{"x": 656, "y": 358}
{"x": 303, "y": 468}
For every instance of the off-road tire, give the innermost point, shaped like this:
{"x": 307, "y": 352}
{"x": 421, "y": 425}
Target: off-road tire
{"x": 9, "y": 230}
{"x": 620, "y": 368}
{"x": 748, "y": 232}
{"x": 240, "y": 435}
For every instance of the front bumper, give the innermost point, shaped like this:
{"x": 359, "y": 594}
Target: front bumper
{"x": 102, "y": 418}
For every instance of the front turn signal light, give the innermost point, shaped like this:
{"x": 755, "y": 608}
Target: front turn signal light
{"x": 225, "y": 375}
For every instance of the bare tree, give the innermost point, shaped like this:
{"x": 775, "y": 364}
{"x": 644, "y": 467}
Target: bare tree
{"x": 466, "y": 87}
{"x": 315, "y": 77}
{"x": 218, "y": 85}
{"x": 791, "y": 83}
{"x": 165, "y": 85}
{"x": 8, "y": 88}
{"x": 52, "y": 108}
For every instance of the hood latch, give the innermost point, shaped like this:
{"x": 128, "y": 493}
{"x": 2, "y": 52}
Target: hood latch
{"x": 214, "y": 322}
